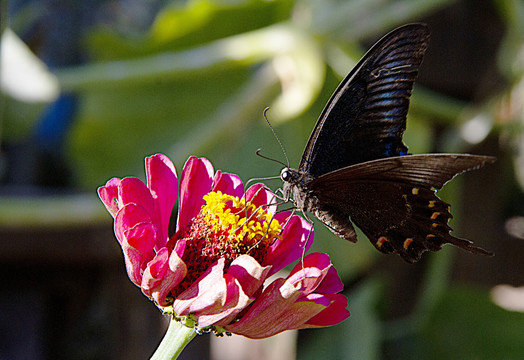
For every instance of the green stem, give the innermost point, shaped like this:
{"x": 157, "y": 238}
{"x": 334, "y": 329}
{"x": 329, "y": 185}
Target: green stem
{"x": 177, "y": 337}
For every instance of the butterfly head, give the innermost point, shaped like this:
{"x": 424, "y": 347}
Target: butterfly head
{"x": 290, "y": 177}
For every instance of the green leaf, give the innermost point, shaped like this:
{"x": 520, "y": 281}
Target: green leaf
{"x": 182, "y": 26}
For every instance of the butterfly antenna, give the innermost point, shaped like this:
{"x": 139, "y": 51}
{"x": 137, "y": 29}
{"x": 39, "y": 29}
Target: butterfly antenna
{"x": 268, "y": 158}
{"x": 276, "y": 137}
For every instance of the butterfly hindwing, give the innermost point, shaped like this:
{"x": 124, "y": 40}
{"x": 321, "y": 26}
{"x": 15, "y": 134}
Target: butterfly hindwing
{"x": 392, "y": 201}
{"x": 365, "y": 118}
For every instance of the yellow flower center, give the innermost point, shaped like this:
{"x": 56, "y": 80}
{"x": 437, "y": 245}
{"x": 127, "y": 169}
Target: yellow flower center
{"x": 226, "y": 227}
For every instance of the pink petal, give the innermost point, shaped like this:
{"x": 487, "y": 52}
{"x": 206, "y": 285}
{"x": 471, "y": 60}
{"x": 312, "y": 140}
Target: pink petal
{"x": 310, "y": 272}
{"x": 127, "y": 217}
{"x": 270, "y": 313}
{"x": 297, "y": 234}
{"x": 197, "y": 179}
{"x": 209, "y": 291}
{"x": 154, "y": 273}
{"x": 209, "y": 305}
{"x": 163, "y": 182}
{"x": 109, "y": 195}
{"x": 249, "y": 273}
{"x": 259, "y": 195}
{"x": 176, "y": 264}
{"x": 135, "y": 257}
{"x": 137, "y": 246}
{"x": 331, "y": 283}
{"x": 228, "y": 184}
{"x": 306, "y": 279}
{"x": 180, "y": 247}
{"x": 316, "y": 260}
{"x": 236, "y": 301}
{"x": 290, "y": 304}
{"x": 134, "y": 191}
{"x": 141, "y": 237}
{"x": 137, "y": 236}
{"x": 162, "y": 274}
{"x": 335, "y": 313}
{"x": 134, "y": 264}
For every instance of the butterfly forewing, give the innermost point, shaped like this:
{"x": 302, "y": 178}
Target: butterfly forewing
{"x": 428, "y": 170}
{"x": 365, "y": 118}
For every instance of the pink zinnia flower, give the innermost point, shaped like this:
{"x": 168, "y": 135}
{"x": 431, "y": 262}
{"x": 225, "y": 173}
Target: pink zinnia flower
{"x": 226, "y": 244}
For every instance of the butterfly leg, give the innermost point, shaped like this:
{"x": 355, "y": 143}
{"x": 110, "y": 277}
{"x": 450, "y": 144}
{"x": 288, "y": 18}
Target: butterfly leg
{"x": 310, "y": 222}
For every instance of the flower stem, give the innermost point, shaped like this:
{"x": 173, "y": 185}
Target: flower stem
{"x": 177, "y": 337}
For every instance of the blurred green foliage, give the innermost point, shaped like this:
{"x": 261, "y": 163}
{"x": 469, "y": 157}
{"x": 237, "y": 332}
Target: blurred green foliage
{"x": 196, "y": 83}
{"x": 199, "y": 67}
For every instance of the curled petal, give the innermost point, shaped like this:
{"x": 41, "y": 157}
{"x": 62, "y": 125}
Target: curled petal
{"x": 329, "y": 280}
{"x": 134, "y": 191}
{"x": 128, "y": 217}
{"x": 136, "y": 235}
{"x": 142, "y": 238}
{"x": 310, "y": 272}
{"x": 109, "y": 195}
{"x": 297, "y": 235}
{"x": 208, "y": 292}
{"x": 331, "y": 283}
{"x": 163, "y": 184}
{"x": 306, "y": 279}
{"x": 316, "y": 274}
{"x": 236, "y": 301}
{"x": 137, "y": 246}
{"x": 291, "y": 303}
{"x": 180, "y": 247}
{"x": 228, "y": 184}
{"x": 196, "y": 181}
{"x": 333, "y": 314}
{"x": 162, "y": 274}
{"x": 270, "y": 313}
{"x": 177, "y": 265}
{"x": 214, "y": 298}
{"x": 318, "y": 260}
{"x": 135, "y": 262}
{"x": 249, "y": 273}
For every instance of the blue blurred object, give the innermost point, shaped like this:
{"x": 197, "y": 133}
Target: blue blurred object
{"x": 51, "y": 129}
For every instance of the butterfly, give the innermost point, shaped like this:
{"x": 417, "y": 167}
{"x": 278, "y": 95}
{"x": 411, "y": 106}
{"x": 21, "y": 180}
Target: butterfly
{"x": 356, "y": 169}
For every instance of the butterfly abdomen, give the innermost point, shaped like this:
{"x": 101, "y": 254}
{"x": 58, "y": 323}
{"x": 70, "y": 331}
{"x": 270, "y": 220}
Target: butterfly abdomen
{"x": 337, "y": 222}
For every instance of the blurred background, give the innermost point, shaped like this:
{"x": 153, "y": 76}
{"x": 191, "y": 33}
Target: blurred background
{"x": 90, "y": 88}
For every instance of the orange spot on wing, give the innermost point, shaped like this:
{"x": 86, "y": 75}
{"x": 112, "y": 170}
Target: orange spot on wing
{"x": 381, "y": 240}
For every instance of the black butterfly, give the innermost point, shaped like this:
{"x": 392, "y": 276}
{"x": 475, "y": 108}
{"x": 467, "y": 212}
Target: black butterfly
{"x": 355, "y": 167}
